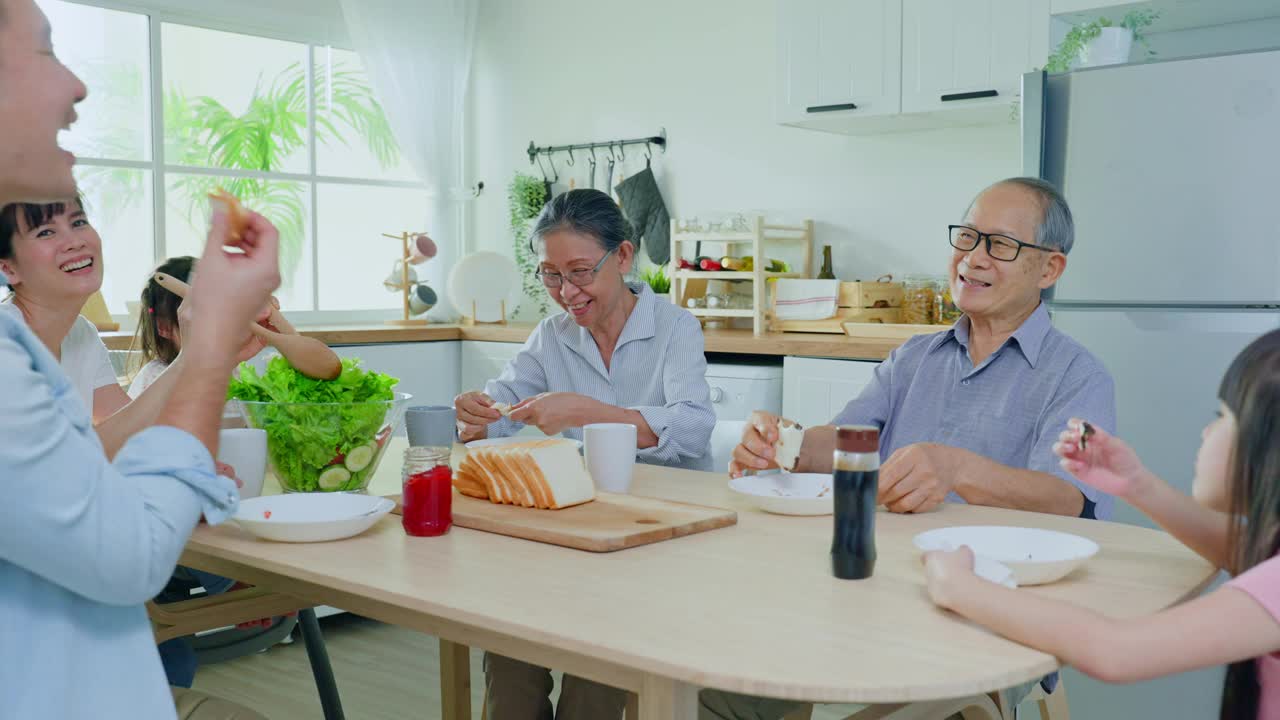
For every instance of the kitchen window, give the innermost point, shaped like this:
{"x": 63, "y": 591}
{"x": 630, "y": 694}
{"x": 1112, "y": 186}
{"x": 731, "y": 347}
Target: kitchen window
{"x": 293, "y": 128}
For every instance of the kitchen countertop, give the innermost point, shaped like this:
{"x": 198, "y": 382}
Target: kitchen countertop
{"x": 718, "y": 341}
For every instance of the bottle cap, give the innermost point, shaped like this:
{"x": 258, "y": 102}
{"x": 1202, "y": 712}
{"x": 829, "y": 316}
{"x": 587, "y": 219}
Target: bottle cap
{"x": 857, "y": 439}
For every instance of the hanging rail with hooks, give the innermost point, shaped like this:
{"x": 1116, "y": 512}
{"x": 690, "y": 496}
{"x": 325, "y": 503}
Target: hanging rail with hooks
{"x": 660, "y": 140}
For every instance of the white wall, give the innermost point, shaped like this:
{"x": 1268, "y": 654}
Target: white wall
{"x": 564, "y": 71}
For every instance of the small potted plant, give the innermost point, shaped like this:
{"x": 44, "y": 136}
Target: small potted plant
{"x": 525, "y": 197}
{"x": 656, "y": 278}
{"x": 1102, "y": 42}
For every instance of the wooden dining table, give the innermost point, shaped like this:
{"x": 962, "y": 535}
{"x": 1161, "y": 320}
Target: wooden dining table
{"x": 751, "y": 608}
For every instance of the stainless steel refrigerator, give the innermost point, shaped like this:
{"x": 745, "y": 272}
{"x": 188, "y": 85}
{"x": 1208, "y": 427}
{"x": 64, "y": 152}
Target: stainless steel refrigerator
{"x": 1172, "y": 171}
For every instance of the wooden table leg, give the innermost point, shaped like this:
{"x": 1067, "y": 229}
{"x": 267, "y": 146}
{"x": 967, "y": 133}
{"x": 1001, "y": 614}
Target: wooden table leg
{"x": 666, "y": 699}
{"x": 455, "y": 681}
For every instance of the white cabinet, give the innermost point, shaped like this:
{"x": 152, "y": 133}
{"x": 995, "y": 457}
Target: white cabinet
{"x": 967, "y": 53}
{"x": 838, "y": 58}
{"x": 870, "y": 66}
{"x": 427, "y": 370}
{"x": 815, "y": 390}
{"x": 484, "y": 361}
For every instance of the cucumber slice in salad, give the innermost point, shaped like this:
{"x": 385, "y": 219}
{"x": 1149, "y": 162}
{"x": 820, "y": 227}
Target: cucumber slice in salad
{"x": 359, "y": 458}
{"x": 333, "y": 478}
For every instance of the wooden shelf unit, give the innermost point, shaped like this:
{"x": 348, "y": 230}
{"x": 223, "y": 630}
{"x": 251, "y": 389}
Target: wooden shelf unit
{"x": 760, "y": 237}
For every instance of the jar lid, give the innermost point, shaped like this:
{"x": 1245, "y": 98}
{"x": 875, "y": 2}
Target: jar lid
{"x": 857, "y": 439}
{"x": 426, "y": 452}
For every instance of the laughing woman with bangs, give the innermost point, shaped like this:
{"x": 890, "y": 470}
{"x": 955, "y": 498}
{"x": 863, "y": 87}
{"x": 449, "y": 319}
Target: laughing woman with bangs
{"x": 52, "y": 256}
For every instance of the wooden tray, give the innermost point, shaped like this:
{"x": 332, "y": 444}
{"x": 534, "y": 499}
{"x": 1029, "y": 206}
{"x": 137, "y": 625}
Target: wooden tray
{"x": 608, "y": 523}
{"x": 835, "y": 325}
{"x": 903, "y": 331}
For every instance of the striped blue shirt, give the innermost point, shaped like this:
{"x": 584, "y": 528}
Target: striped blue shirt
{"x": 658, "y": 368}
{"x": 1010, "y": 408}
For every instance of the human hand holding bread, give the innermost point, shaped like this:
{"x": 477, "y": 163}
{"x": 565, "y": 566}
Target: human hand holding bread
{"x": 768, "y": 441}
{"x": 475, "y": 412}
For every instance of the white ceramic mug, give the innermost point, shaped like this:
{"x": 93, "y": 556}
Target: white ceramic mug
{"x": 245, "y": 450}
{"x": 611, "y": 455}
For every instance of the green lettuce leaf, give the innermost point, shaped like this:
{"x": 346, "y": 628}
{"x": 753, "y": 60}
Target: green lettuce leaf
{"x": 303, "y": 440}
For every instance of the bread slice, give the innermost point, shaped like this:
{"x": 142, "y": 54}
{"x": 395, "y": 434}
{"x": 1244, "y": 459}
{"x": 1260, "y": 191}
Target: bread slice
{"x": 468, "y": 484}
{"x": 547, "y": 474}
{"x": 787, "y": 449}
{"x": 237, "y": 217}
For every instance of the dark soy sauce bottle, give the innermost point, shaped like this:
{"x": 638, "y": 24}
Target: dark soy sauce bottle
{"x": 856, "y": 484}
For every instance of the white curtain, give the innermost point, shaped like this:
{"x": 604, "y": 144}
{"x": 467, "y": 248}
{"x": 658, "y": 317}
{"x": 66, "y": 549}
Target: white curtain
{"x": 418, "y": 56}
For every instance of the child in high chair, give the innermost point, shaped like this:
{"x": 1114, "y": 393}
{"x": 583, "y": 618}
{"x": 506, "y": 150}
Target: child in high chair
{"x": 1233, "y": 522}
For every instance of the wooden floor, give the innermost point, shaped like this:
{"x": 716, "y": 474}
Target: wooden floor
{"x": 383, "y": 673}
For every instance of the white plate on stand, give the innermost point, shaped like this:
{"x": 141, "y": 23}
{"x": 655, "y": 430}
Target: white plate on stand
{"x": 484, "y": 280}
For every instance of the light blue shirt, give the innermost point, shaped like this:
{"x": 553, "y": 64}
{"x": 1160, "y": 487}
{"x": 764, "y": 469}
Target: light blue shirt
{"x": 658, "y": 369}
{"x": 1010, "y": 408}
{"x": 84, "y": 543}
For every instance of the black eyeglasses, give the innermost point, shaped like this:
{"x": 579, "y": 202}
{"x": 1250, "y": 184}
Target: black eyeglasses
{"x": 1000, "y": 247}
{"x": 581, "y": 278}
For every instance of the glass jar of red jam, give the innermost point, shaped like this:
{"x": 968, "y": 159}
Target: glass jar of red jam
{"x": 427, "y": 500}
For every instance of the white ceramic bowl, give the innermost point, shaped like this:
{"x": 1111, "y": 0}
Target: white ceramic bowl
{"x": 787, "y": 493}
{"x": 311, "y": 517}
{"x": 1035, "y": 556}
{"x": 516, "y": 439}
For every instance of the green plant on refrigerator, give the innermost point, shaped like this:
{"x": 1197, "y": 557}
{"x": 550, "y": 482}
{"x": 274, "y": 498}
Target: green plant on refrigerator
{"x": 1080, "y": 35}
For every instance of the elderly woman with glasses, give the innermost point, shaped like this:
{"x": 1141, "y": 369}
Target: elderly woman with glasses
{"x": 616, "y": 355}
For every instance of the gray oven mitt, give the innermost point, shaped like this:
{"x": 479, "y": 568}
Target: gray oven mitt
{"x": 643, "y": 206}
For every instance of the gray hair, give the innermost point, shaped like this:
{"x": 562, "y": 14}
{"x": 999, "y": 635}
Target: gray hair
{"x": 1057, "y": 229}
{"x": 587, "y": 212}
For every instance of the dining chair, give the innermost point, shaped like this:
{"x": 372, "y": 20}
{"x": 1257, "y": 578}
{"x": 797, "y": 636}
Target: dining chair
{"x": 632, "y": 711}
{"x": 1053, "y": 706}
{"x": 212, "y": 612}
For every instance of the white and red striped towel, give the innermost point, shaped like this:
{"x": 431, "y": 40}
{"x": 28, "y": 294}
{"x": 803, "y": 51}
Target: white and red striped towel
{"x": 805, "y": 299}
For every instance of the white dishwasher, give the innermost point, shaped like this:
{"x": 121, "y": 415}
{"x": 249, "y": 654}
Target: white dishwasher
{"x": 736, "y": 390}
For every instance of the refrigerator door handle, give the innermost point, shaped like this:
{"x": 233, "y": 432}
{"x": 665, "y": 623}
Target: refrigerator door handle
{"x": 1205, "y": 321}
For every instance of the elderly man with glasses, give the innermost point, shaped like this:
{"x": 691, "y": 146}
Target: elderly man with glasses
{"x": 970, "y": 414}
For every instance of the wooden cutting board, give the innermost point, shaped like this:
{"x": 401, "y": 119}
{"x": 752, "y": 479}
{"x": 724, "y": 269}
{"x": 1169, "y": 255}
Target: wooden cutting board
{"x": 608, "y": 523}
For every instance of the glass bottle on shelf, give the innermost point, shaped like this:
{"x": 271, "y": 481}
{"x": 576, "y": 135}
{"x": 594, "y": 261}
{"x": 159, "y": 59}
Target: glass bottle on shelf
{"x": 827, "y": 272}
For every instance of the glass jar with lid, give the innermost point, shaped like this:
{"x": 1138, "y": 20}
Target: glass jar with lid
{"x": 947, "y": 311}
{"x": 919, "y": 300}
{"x": 427, "y": 486}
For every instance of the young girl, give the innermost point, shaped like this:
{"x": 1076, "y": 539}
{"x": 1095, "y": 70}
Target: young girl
{"x": 1233, "y": 522}
{"x": 157, "y": 334}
